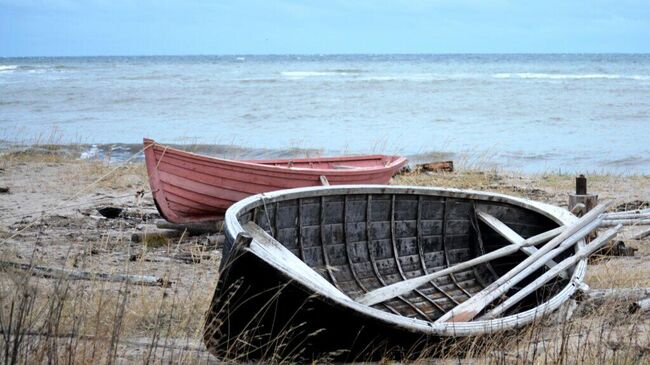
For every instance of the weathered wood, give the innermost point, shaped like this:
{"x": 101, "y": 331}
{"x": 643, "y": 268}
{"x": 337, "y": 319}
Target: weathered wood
{"x": 467, "y": 310}
{"x": 55, "y": 273}
{"x": 552, "y": 273}
{"x": 438, "y": 166}
{"x": 513, "y": 237}
{"x": 640, "y": 306}
{"x": 417, "y": 238}
{"x": 390, "y": 291}
{"x": 324, "y": 181}
{"x": 148, "y": 236}
{"x": 616, "y": 216}
{"x": 581, "y": 202}
{"x": 578, "y": 209}
{"x": 188, "y": 187}
{"x": 194, "y": 228}
{"x": 641, "y": 235}
{"x": 629, "y": 212}
{"x": 599, "y": 296}
{"x": 625, "y": 222}
{"x": 281, "y": 256}
{"x": 588, "y": 200}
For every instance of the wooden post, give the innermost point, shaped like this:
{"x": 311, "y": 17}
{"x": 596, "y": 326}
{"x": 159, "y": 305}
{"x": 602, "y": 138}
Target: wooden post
{"x": 581, "y": 196}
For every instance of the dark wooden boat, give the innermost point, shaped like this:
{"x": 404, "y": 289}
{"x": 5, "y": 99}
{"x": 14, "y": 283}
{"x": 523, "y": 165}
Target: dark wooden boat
{"x": 298, "y": 266}
{"x": 188, "y": 187}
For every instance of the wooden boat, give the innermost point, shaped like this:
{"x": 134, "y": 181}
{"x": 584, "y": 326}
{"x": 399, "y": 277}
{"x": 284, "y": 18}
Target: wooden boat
{"x": 313, "y": 272}
{"x": 188, "y": 187}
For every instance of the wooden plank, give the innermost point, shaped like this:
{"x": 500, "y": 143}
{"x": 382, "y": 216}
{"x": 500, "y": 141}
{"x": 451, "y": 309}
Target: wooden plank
{"x": 469, "y": 309}
{"x": 56, "y": 273}
{"x": 438, "y": 166}
{"x": 550, "y": 274}
{"x": 627, "y": 222}
{"x": 513, "y": 237}
{"x": 641, "y": 235}
{"x": 390, "y": 291}
{"x": 284, "y": 258}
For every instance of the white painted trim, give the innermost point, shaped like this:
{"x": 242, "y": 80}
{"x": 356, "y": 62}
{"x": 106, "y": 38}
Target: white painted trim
{"x": 477, "y": 327}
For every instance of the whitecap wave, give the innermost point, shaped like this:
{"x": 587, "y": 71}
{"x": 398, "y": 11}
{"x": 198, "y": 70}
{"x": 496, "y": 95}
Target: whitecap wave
{"x": 8, "y": 68}
{"x": 551, "y": 76}
{"x": 303, "y": 74}
{"x": 91, "y": 153}
{"x": 417, "y": 77}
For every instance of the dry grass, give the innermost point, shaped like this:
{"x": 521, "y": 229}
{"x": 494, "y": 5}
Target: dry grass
{"x": 64, "y": 321}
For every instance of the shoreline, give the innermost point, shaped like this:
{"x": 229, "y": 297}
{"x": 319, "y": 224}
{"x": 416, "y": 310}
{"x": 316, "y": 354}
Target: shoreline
{"x": 50, "y": 218}
{"x": 116, "y": 153}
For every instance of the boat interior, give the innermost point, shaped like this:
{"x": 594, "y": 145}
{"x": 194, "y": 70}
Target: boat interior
{"x": 361, "y": 242}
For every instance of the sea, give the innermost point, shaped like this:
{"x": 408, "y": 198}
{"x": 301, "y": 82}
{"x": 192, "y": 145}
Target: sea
{"x": 530, "y": 113}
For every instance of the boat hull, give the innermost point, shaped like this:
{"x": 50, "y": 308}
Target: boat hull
{"x": 188, "y": 187}
{"x": 360, "y": 239}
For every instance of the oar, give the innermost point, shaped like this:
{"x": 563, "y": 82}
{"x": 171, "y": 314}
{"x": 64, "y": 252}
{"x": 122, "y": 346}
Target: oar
{"x": 550, "y": 274}
{"x": 469, "y": 309}
{"x": 391, "y": 291}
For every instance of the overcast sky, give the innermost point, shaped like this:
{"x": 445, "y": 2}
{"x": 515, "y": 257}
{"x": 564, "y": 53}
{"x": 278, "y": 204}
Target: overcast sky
{"x": 179, "y": 27}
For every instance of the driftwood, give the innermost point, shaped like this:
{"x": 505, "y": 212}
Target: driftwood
{"x": 153, "y": 235}
{"x": 641, "y": 235}
{"x": 552, "y": 273}
{"x": 439, "y": 166}
{"x": 467, "y": 310}
{"x": 186, "y": 258}
{"x": 629, "y": 212}
{"x": 627, "y": 222}
{"x": 391, "y": 291}
{"x": 625, "y": 215}
{"x": 197, "y": 228}
{"x": 55, "y": 273}
{"x": 640, "y": 306}
{"x": 599, "y": 296}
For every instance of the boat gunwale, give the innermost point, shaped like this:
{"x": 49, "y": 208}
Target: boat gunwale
{"x": 396, "y": 162}
{"x": 477, "y": 327}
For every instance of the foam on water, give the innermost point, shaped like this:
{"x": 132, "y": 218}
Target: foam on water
{"x": 532, "y": 75}
{"x": 525, "y": 112}
{"x": 7, "y": 68}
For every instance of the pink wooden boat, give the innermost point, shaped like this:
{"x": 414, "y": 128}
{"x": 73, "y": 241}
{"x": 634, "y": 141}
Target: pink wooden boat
{"x": 188, "y": 187}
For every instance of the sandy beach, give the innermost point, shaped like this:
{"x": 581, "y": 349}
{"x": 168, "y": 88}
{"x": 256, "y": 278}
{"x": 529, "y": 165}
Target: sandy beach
{"x": 50, "y": 218}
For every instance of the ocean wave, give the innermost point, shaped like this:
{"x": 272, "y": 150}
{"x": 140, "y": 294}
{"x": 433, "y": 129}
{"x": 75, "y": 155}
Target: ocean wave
{"x": 336, "y": 72}
{"x": 417, "y": 77}
{"x": 302, "y": 74}
{"x": 551, "y": 76}
{"x": 7, "y": 68}
{"x": 35, "y": 68}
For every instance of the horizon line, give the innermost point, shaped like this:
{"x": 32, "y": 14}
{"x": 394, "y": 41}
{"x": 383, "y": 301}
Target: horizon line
{"x": 333, "y": 54}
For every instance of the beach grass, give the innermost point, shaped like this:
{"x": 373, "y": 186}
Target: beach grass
{"x": 58, "y": 320}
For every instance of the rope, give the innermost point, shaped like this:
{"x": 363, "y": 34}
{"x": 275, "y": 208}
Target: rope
{"x": 161, "y": 156}
{"x": 58, "y": 206}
